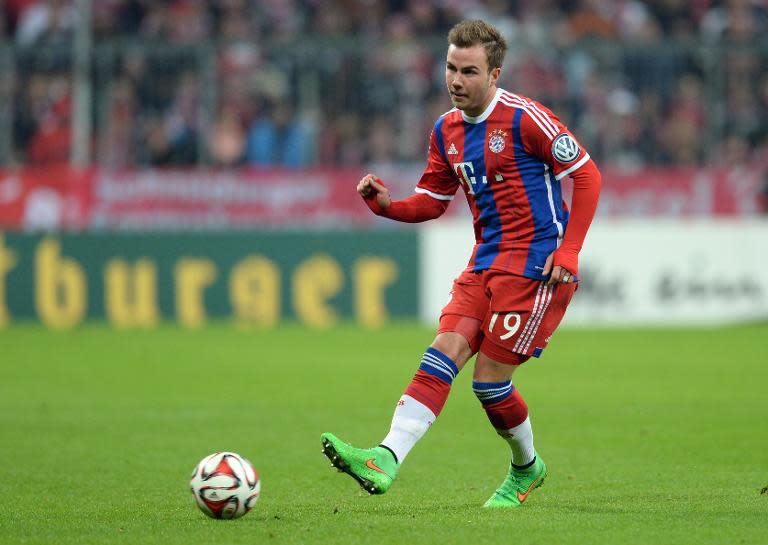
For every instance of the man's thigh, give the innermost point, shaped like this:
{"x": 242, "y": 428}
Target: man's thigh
{"x": 523, "y": 314}
{"x": 466, "y": 309}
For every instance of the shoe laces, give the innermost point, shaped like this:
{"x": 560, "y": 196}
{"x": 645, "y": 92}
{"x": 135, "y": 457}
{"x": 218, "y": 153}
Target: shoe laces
{"x": 509, "y": 486}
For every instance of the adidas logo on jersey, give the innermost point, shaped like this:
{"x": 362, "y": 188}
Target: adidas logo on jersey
{"x": 452, "y": 150}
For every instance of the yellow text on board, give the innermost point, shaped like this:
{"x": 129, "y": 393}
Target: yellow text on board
{"x": 255, "y": 285}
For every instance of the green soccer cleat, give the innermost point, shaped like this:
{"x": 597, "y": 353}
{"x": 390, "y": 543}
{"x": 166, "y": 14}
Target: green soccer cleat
{"x": 518, "y": 485}
{"x": 374, "y": 468}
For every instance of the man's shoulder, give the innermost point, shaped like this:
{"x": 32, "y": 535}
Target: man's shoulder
{"x": 534, "y": 112}
{"x": 450, "y": 117}
{"x": 508, "y": 98}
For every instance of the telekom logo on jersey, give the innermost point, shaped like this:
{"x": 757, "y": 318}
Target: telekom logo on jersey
{"x": 466, "y": 171}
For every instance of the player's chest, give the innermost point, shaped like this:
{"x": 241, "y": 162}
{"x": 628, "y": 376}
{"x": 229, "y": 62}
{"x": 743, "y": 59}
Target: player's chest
{"x": 482, "y": 160}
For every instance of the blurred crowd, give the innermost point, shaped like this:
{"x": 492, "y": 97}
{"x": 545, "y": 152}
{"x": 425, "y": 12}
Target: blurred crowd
{"x": 295, "y": 83}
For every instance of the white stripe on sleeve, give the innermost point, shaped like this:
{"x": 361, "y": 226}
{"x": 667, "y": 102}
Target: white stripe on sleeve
{"x": 437, "y": 196}
{"x": 578, "y": 165}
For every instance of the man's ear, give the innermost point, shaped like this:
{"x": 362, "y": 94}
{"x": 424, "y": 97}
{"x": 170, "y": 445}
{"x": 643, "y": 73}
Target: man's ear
{"x": 495, "y": 73}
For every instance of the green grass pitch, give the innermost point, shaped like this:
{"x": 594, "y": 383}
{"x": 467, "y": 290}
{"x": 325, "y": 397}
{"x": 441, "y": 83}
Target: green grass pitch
{"x": 651, "y": 436}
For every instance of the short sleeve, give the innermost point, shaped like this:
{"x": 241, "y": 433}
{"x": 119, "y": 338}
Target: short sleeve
{"x": 544, "y": 136}
{"x": 438, "y": 179}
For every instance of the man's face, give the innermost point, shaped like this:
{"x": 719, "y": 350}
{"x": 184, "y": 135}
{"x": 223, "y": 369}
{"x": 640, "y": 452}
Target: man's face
{"x": 469, "y": 83}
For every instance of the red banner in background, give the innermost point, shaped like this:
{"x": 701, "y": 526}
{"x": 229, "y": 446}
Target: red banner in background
{"x": 62, "y": 198}
{"x": 681, "y": 192}
{"x": 45, "y": 198}
{"x": 227, "y": 199}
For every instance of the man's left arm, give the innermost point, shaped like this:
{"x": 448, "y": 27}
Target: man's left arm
{"x": 587, "y": 182}
{"x": 548, "y": 139}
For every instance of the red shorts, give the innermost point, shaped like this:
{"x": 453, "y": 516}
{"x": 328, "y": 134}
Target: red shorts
{"x": 503, "y": 315}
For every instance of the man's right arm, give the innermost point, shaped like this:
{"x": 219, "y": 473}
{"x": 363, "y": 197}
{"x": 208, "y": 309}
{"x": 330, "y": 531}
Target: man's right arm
{"x": 416, "y": 208}
{"x": 434, "y": 191}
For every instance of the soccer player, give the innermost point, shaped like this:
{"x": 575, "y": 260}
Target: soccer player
{"x": 509, "y": 154}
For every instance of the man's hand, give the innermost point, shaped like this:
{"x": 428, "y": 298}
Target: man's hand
{"x": 370, "y": 187}
{"x": 559, "y": 274}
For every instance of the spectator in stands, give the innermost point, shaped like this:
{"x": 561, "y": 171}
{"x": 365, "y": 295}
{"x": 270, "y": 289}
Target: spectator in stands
{"x": 342, "y": 142}
{"x": 227, "y": 139}
{"x": 49, "y": 22}
{"x": 172, "y": 137}
{"x": 381, "y": 141}
{"x": 635, "y": 103}
{"x": 51, "y": 143}
{"x": 11, "y": 12}
{"x": 591, "y": 18}
{"x": 42, "y": 119}
{"x": 735, "y": 21}
{"x": 278, "y": 137}
{"x": 116, "y": 148}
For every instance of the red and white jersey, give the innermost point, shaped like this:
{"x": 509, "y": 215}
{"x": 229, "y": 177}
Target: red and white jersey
{"x": 509, "y": 160}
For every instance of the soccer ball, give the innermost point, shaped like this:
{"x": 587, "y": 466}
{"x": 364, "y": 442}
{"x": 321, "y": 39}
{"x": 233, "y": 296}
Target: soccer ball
{"x": 225, "y": 485}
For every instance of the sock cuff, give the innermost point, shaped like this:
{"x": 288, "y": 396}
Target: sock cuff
{"x": 392, "y": 452}
{"x": 439, "y": 365}
{"x": 524, "y": 466}
{"x": 492, "y": 392}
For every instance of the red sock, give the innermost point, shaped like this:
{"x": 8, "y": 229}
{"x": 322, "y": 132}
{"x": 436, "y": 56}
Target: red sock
{"x": 432, "y": 382}
{"x": 503, "y": 404}
{"x": 428, "y": 390}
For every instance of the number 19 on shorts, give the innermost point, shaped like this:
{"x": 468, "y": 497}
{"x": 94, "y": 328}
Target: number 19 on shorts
{"x": 510, "y": 324}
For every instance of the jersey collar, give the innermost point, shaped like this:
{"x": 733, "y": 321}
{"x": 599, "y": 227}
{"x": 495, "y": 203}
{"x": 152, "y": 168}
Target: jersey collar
{"x": 483, "y": 116}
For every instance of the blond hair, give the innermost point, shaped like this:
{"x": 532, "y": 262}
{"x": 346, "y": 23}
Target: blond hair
{"x": 474, "y": 32}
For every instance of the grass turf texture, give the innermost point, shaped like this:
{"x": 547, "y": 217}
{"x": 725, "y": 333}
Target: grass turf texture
{"x": 651, "y": 436}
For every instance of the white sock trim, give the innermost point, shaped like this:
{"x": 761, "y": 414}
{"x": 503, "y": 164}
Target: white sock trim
{"x": 410, "y": 422}
{"x": 520, "y": 439}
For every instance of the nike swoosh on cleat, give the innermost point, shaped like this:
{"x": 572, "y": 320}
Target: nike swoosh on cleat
{"x": 522, "y": 497}
{"x": 370, "y": 464}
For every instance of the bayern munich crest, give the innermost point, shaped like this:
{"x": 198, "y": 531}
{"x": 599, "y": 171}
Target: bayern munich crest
{"x": 565, "y": 149}
{"x": 497, "y": 141}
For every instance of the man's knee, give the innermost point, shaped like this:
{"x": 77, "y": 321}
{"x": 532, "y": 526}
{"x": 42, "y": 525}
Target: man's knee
{"x": 466, "y": 326}
{"x": 455, "y": 346}
{"x": 488, "y": 369}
